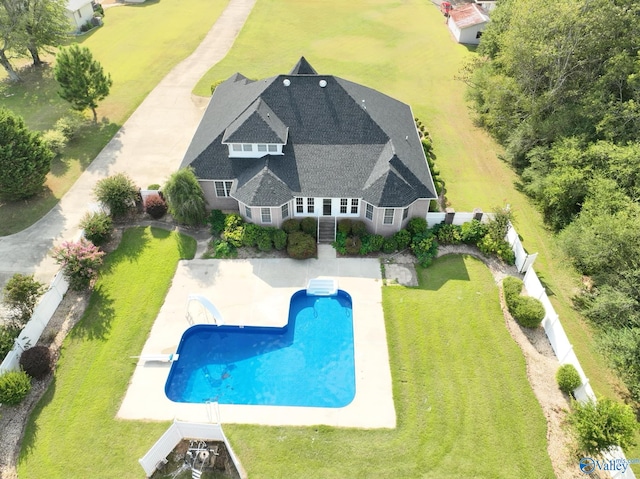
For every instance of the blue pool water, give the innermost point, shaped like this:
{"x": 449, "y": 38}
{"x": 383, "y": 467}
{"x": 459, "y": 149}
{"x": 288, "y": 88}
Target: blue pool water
{"x": 309, "y": 362}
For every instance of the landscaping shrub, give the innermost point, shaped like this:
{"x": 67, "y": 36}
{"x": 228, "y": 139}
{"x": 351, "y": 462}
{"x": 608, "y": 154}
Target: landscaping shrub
{"x": 20, "y": 296}
{"x": 424, "y": 247}
{"x": 473, "y": 231}
{"x": 448, "y": 234}
{"x": 389, "y": 245}
{"x": 250, "y": 235}
{"x": 358, "y": 228}
{"x": 340, "y": 244}
{"x": 417, "y": 226}
{"x": 489, "y": 245}
{"x": 80, "y": 262}
{"x": 264, "y": 241}
{"x": 97, "y": 227}
{"x": 71, "y": 124}
{"x": 233, "y": 229}
{"x": 154, "y": 186}
{"x": 185, "y": 197}
{"x": 403, "y": 239}
{"x": 155, "y": 206}
{"x": 528, "y": 312}
{"x": 36, "y": 361}
{"x": 55, "y": 140}
{"x": 279, "y": 239}
{"x": 8, "y": 334}
{"x": 291, "y": 225}
{"x": 216, "y": 221}
{"x": 14, "y": 387}
{"x": 223, "y": 249}
{"x": 214, "y": 85}
{"x": 309, "y": 225}
{"x": 118, "y": 193}
{"x": 301, "y": 245}
{"x": 512, "y": 287}
{"x": 376, "y": 242}
{"x": 353, "y": 244}
{"x": 344, "y": 226}
{"x": 365, "y": 247}
{"x": 568, "y": 378}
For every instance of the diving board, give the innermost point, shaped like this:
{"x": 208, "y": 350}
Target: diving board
{"x": 161, "y": 358}
{"x": 322, "y": 287}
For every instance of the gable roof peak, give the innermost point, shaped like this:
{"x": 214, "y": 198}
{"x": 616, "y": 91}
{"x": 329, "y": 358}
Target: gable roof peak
{"x": 303, "y": 67}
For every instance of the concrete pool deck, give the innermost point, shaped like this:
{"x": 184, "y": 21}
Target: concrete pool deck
{"x": 257, "y": 292}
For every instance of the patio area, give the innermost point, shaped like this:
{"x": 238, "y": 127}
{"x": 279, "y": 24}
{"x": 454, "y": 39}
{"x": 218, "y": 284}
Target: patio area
{"x": 257, "y": 292}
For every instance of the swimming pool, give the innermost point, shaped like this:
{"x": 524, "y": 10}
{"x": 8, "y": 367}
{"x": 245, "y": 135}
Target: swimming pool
{"x": 309, "y": 362}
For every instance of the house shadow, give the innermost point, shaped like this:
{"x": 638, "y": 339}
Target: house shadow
{"x": 450, "y": 268}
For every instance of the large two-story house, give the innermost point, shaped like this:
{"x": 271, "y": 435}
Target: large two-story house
{"x": 305, "y": 144}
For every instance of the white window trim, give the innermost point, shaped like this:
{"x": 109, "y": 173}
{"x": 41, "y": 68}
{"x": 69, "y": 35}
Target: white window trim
{"x": 284, "y": 208}
{"x": 262, "y": 215}
{"x": 366, "y": 211}
{"x": 393, "y": 216}
{"x": 226, "y": 186}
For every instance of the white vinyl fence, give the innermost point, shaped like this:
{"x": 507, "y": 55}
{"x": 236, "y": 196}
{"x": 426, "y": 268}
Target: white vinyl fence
{"x": 185, "y": 430}
{"x": 43, "y": 312}
{"x": 563, "y": 348}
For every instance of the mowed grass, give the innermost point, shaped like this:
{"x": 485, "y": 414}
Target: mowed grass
{"x": 405, "y": 50}
{"x": 73, "y": 431}
{"x": 463, "y": 403}
{"x": 138, "y": 46}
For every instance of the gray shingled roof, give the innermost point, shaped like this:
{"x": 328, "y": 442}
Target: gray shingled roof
{"x": 344, "y": 140}
{"x": 257, "y": 124}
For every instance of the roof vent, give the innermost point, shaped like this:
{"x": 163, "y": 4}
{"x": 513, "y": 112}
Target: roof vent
{"x": 286, "y": 82}
{"x": 323, "y": 83}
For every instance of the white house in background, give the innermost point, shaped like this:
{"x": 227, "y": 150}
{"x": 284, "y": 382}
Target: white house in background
{"x": 487, "y": 5}
{"x": 79, "y": 12}
{"x": 467, "y": 23}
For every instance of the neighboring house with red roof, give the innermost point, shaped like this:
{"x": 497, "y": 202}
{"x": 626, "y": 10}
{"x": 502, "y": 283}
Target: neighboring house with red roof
{"x": 467, "y": 23}
{"x": 305, "y": 144}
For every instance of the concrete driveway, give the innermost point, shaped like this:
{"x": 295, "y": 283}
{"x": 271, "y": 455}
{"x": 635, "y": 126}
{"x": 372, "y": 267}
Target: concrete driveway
{"x": 148, "y": 147}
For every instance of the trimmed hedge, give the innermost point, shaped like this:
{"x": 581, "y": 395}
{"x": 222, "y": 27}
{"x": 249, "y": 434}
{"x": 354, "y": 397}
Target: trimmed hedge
{"x": 309, "y": 225}
{"x": 97, "y": 227}
{"x": 216, "y": 222}
{"x": 568, "y": 378}
{"x": 527, "y": 311}
{"x": 155, "y": 206}
{"x": 301, "y": 245}
{"x": 36, "y": 361}
{"x": 14, "y": 387}
{"x": 291, "y": 225}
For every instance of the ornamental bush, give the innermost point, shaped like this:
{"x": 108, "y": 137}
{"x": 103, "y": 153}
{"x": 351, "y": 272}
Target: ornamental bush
{"x": 301, "y": 245}
{"x": 80, "y": 262}
{"x": 20, "y": 296}
{"x": 512, "y": 288}
{"x": 118, "y": 193}
{"x": 344, "y": 226}
{"x": 417, "y": 226}
{"x": 71, "y": 124}
{"x": 309, "y": 225}
{"x": 389, "y": 245}
{"x": 233, "y": 229}
{"x": 403, "y": 239}
{"x": 528, "y": 312}
{"x": 568, "y": 378}
{"x": 473, "y": 231}
{"x": 216, "y": 222}
{"x": 55, "y": 140}
{"x": 358, "y": 228}
{"x": 291, "y": 225}
{"x": 279, "y": 238}
{"x": 185, "y": 198}
{"x": 489, "y": 245}
{"x": 264, "y": 241}
{"x": 340, "y": 244}
{"x": 36, "y": 361}
{"x": 250, "y": 235}
{"x": 155, "y": 206}
{"x": 353, "y": 244}
{"x": 425, "y": 247}
{"x": 8, "y": 334}
{"x": 14, "y": 387}
{"x": 97, "y": 227}
{"x": 448, "y": 234}
{"x": 223, "y": 249}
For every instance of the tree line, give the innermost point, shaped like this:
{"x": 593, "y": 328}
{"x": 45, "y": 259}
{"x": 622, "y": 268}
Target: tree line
{"x": 557, "y": 83}
{"x": 29, "y": 27}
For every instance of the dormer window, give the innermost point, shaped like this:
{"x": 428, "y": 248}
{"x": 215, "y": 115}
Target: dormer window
{"x": 253, "y": 150}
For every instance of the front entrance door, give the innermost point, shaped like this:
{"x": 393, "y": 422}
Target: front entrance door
{"x": 326, "y": 206}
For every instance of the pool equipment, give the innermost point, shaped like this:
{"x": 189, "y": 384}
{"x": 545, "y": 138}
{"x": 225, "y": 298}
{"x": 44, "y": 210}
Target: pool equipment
{"x": 207, "y": 313}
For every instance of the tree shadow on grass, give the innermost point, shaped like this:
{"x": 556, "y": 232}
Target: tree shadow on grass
{"x": 96, "y": 321}
{"x": 450, "y": 268}
{"x": 134, "y": 241}
{"x": 31, "y": 430}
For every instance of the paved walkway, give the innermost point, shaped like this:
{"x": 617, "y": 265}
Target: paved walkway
{"x": 148, "y": 147}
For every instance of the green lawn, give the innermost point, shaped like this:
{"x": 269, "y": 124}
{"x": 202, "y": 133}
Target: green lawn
{"x": 72, "y": 432}
{"x": 405, "y": 50}
{"x": 138, "y": 46}
{"x": 463, "y": 403}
